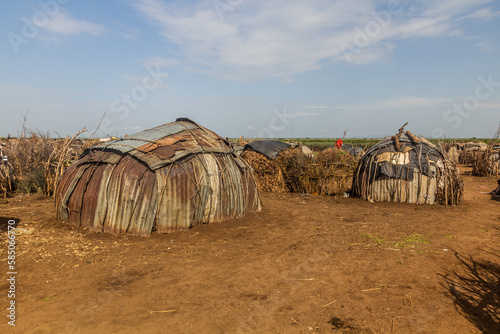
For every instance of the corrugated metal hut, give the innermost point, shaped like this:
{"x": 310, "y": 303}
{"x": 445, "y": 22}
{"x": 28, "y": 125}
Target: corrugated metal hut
{"x": 407, "y": 168}
{"x": 167, "y": 178}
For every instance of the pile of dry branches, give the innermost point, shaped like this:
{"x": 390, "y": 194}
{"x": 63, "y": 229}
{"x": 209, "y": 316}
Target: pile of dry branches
{"x": 267, "y": 172}
{"x": 486, "y": 163}
{"x": 39, "y": 161}
{"x": 28, "y": 156}
{"x": 297, "y": 169}
{"x": 467, "y": 157}
{"x": 60, "y": 159}
{"x": 450, "y": 190}
{"x": 335, "y": 170}
{"x": 329, "y": 173}
{"x": 469, "y": 152}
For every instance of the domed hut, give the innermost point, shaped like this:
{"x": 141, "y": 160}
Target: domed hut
{"x": 171, "y": 177}
{"x": 407, "y": 168}
{"x": 468, "y": 152}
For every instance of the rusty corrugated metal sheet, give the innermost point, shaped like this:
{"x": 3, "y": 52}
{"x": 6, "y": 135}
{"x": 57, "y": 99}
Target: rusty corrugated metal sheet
{"x": 145, "y": 137}
{"x": 161, "y": 184}
{"x": 164, "y": 144}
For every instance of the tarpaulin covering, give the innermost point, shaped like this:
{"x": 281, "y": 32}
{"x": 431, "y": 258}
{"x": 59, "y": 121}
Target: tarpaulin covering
{"x": 269, "y": 148}
{"x": 354, "y": 151}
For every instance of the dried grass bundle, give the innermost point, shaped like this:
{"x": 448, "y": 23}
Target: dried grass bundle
{"x": 295, "y": 171}
{"x": 298, "y": 170}
{"x": 39, "y": 161}
{"x": 335, "y": 168}
{"x": 267, "y": 172}
{"x": 28, "y": 156}
{"x": 6, "y": 178}
{"x": 87, "y": 144}
{"x": 60, "y": 159}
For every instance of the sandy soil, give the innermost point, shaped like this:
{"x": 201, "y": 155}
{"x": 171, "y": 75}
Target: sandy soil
{"x": 303, "y": 265}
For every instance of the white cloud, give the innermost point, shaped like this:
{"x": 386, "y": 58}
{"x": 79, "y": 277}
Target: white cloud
{"x": 250, "y": 127}
{"x": 136, "y": 80}
{"x": 322, "y": 130}
{"x": 304, "y": 113}
{"x": 261, "y": 39}
{"x": 495, "y": 106}
{"x": 483, "y": 13}
{"x": 314, "y": 107}
{"x": 129, "y": 127}
{"x": 16, "y": 90}
{"x": 13, "y": 90}
{"x": 485, "y": 46}
{"x": 399, "y": 103}
{"x": 65, "y": 24}
{"x": 160, "y": 62}
{"x": 450, "y": 7}
{"x": 130, "y": 33}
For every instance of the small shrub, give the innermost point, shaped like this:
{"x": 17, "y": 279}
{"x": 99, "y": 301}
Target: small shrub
{"x": 32, "y": 182}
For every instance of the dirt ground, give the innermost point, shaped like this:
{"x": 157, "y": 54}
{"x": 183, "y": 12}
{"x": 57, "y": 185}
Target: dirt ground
{"x": 304, "y": 264}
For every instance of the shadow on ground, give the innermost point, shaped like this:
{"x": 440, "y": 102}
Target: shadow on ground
{"x": 4, "y": 222}
{"x": 475, "y": 290}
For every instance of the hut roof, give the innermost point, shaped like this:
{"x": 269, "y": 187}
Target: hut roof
{"x": 168, "y": 178}
{"x": 475, "y": 146}
{"x": 420, "y": 151}
{"x": 162, "y": 145}
{"x": 270, "y": 148}
{"x": 407, "y": 143}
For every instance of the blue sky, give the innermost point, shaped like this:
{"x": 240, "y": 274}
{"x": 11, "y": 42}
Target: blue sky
{"x": 253, "y": 68}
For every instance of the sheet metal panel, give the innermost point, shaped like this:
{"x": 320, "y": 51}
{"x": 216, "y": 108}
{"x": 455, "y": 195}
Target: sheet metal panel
{"x": 65, "y": 209}
{"x": 62, "y": 188}
{"x": 176, "y": 186}
{"x": 167, "y": 184}
{"x": 90, "y": 195}
{"x": 144, "y": 214}
{"x": 136, "y": 140}
{"x": 122, "y": 195}
{"x": 163, "y": 145}
{"x": 76, "y": 204}
{"x": 396, "y": 190}
{"x": 102, "y": 195}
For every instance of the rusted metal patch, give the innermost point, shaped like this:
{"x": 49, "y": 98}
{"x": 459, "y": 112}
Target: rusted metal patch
{"x": 147, "y": 183}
